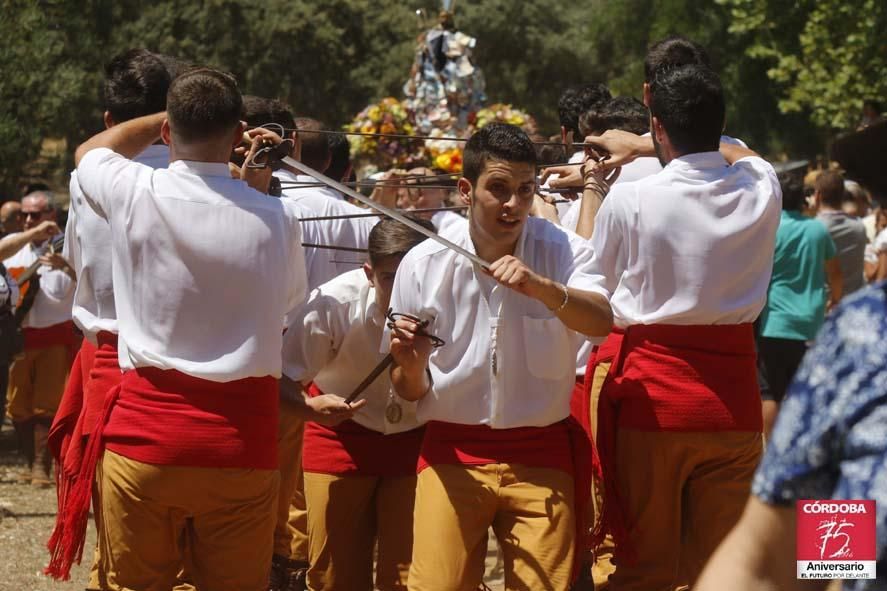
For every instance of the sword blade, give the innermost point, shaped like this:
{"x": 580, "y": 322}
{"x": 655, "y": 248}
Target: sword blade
{"x": 392, "y": 213}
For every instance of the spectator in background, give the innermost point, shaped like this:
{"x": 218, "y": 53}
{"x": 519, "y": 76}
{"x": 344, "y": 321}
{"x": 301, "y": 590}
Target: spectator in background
{"x": 857, "y": 203}
{"x": 847, "y": 232}
{"x": 11, "y": 218}
{"x": 871, "y": 114}
{"x": 796, "y": 299}
{"x": 827, "y": 444}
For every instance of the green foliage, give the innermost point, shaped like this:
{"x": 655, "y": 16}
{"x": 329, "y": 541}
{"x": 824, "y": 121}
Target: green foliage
{"x": 790, "y": 68}
{"x": 825, "y": 57}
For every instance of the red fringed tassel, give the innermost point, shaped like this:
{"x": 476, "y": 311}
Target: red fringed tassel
{"x": 75, "y": 495}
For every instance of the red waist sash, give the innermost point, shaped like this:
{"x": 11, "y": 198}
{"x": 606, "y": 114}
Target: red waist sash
{"x": 351, "y": 448}
{"x": 169, "y": 418}
{"x": 564, "y": 446}
{"x": 671, "y": 378}
{"x": 103, "y": 375}
{"x": 49, "y": 336}
{"x": 70, "y": 408}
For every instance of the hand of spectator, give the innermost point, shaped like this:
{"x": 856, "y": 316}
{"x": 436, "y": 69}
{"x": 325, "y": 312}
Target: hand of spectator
{"x": 44, "y": 231}
{"x": 568, "y": 176}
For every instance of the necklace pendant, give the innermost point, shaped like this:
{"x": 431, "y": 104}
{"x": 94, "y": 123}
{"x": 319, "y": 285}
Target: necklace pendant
{"x": 393, "y": 412}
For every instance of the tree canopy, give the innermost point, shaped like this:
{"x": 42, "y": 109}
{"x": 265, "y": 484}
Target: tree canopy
{"x": 793, "y": 71}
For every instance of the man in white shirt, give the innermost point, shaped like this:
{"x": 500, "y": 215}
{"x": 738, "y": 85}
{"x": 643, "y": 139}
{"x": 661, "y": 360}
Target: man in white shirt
{"x": 315, "y": 201}
{"x": 135, "y": 85}
{"x": 412, "y": 195}
{"x": 498, "y": 449}
{"x": 37, "y": 377}
{"x": 684, "y": 257}
{"x": 360, "y": 475}
{"x": 189, "y": 435}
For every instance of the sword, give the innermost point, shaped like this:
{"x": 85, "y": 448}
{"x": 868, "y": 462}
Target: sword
{"x": 392, "y": 213}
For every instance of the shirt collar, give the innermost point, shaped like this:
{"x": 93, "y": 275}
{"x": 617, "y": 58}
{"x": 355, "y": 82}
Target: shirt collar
{"x": 201, "y": 168}
{"x": 154, "y": 152}
{"x": 699, "y": 161}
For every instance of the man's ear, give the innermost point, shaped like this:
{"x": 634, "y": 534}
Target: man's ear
{"x": 109, "y": 120}
{"x": 368, "y": 270}
{"x": 165, "y": 132}
{"x": 464, "y": 188}
{"x": 657, "y": 129}
{"x": 648, "y": 94}
{"x": 237, "y": 138}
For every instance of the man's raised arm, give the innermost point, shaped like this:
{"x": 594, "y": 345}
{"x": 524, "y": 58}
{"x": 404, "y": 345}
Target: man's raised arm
{"x": 128, "y": 139}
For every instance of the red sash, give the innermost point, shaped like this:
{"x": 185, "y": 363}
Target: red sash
{"x": 57, "y": 334}
{"x": 564, "y": 446}
{"x": 169, "y": 418}
{"x": 104, "y": 375}
{"x": 670, "y": 378}
{"x": 351, "y": 448}
{"x": 68, "y": 414}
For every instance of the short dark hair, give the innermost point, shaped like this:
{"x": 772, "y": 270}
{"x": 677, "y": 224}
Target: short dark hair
{"x": 623, "y": 112}
{"x": 136, "y": 83}
{"x": 577, "y": 100}
{"x": 340, "y": 152}
{"x": 830, "y": 186}
{"x": 549, "y": 151}
{"x": 673, "y": 52}
{"x": 315, "y": 148}
{"x": 793, "y": 197}
{"x": 689, "y": 102}
{"x": 203, "y": 103}
{"x": 390, "y": 238}
{"x": 259, "y": 110}
{"x": 496, "y": 141}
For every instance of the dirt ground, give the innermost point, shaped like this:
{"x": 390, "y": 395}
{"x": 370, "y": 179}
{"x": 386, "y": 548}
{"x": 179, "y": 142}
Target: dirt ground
{"x": 27, "y": 515}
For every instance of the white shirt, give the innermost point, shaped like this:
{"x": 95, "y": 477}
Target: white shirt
{"x": 88, "y": 250}
{"x": 880, "y": 242}
{"x": 508, "y": 361}
{"x": 52, "y": 304}
{"x": 445, "y": 220}
{"x": 324, "y": 264}
{"x": 204, "y": 267}
{"x": 691, "y": 245}
{"x": 633, "y": 171}
{"x": 333, "y": 340}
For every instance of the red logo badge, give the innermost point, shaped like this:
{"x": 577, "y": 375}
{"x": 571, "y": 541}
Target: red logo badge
{"x": 836, "y": 539}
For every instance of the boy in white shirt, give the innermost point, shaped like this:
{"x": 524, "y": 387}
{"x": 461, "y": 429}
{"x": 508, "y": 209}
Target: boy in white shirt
{"x": 360, "y": 475}
{"x": 499, "y": 448}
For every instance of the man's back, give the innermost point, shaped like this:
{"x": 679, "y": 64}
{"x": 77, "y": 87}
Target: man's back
{"x": 692, "y": 244}
{"x": 182, "y": 238}
{"x": 850, "y": 239}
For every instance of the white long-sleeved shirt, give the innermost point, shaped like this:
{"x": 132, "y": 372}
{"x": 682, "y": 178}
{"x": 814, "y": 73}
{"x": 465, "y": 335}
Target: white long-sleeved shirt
{"x": 88, "y": 251}
{"x": 333, "y": 340}
{"x": 323, "y": 264}
{"x": 52, "y": 304}
{"x": 204, "y": 267}
{"x": 692, "y": 244}
{"x": 508, "y": 361}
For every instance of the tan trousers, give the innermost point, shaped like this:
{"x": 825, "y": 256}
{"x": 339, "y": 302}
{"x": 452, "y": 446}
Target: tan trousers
{"x": 603, "y": 565}
{"x": 222, "y": 519}
{"x": 683, "y": 492}
{"x": 36, "y": 382}
{"x": 530, "y": 510}
{"x": 347, "y": 515}
{"x": 291, "y": 526}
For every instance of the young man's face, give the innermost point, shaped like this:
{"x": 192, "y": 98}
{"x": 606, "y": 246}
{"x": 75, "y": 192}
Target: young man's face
{"x": 500, "y": 201}
{"x": 381, "y": 277}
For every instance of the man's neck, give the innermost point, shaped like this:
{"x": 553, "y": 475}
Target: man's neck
{"x": 823, "y": 208}
{"x": 489, "y": 252}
